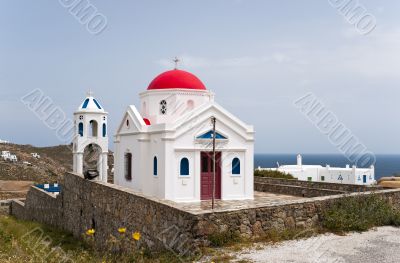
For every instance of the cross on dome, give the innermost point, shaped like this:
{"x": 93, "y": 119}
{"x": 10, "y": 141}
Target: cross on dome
{"x": 89, "y": 93}
{"x": 176, "y": 61}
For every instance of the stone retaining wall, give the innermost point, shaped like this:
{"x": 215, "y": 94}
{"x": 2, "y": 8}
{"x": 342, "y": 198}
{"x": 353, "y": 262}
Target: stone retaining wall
{"x": 85, "y": 204}
{"x": 5, "y": 206}
{"x": 294, "y": 190}
{"x": 296, "y": 214}
{"x": 317, "y": 185}
{"x": 39, "y": 206}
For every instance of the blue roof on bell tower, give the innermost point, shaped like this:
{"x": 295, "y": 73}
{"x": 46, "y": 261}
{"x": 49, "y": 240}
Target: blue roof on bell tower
{"x": 90, "y": 104}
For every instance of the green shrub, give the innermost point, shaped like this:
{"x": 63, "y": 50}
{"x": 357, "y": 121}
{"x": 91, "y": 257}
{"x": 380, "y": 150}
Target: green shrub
{"x": 224, "y": 238}
{"x": 360, "y": 213}
{"x": 273, "y": 174}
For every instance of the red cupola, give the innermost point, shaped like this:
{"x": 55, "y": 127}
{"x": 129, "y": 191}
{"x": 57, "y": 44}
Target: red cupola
{"x": 176, "y": 79}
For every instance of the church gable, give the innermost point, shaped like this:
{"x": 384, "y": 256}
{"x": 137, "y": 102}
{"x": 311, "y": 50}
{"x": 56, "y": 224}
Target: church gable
{"x": 132, "y": 121}
{"x": 202, "y": 118}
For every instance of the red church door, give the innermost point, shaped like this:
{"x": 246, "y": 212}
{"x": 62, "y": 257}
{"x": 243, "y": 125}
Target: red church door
{"x": 207, "y": 175}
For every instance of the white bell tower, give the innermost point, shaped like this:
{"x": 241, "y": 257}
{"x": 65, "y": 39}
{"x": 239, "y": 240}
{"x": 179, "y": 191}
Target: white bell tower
{"x": 90, "y": 131}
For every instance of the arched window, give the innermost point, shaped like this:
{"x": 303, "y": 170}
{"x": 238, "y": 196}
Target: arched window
{"x": 236, "y": 166}
{"x": 104, "y": 130}
{"x": 155, "y": 166}
{"x": 80, "y": 129}
{"x": 163, "y": 107}
{"x": 128, "y": 166}
{"x": 93, "y": 128}
{"x": 184, "y": 166}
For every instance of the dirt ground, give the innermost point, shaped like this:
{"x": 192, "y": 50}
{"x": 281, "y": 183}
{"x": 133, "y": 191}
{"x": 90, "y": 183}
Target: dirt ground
{"x": 14, "y": 189}
{"x": 377, "y": 245}
{"x": 15, "y": 185}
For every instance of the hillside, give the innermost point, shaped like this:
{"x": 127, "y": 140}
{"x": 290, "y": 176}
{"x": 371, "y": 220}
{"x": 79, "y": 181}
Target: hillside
{"x": 54, "y": 162}
{"x": 52, "y": 165}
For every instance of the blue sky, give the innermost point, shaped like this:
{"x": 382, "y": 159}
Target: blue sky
{"x": 258, "y": 57}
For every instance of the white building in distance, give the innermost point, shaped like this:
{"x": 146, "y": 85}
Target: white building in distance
{"x": 7, "y": 156}
{"x": 35, "y": 155}
{"x": 318, "y": 173}
{"x": 164, "y": 147}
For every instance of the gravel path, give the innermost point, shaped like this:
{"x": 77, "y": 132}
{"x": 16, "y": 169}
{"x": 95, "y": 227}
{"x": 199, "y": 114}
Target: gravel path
{"x": 377, "y": 246}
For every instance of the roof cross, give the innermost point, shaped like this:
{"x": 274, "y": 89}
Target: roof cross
{"x": 176, "y": 61}
{"x": 90, "y": 93}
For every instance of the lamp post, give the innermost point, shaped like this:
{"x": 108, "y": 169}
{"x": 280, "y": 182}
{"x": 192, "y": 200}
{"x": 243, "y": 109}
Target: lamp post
{"x": 213, "y": 121}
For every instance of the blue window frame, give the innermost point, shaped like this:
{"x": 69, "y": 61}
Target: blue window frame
{"x": 97, "y": 104}
{"x": 104, "y": 130}
{"x": 155, "y": 166}
{"x": 209, "y": 135}
{"x": 80, "y": 129}
{"x": 85, "y": 104}
{"x": 184, "y": 167}
{"x": 236, "y": 166}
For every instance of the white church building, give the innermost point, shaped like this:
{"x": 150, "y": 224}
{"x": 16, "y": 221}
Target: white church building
{"x": 163, "y": 148}
{"x": 328, "y": 174}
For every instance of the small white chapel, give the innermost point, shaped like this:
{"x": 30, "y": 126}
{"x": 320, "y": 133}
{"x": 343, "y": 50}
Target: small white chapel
{"x": 164, "y": 147}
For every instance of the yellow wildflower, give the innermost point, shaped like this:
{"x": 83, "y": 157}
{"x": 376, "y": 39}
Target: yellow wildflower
{"x": 122, "y": 230}
{"x": 90, "y": 232}
{"x": 136, "y": 236}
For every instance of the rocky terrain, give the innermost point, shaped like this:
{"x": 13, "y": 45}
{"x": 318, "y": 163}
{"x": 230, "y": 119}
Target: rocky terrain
{"x": 54, "y": 162}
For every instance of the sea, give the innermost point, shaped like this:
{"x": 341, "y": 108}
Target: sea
{"x": 386, "y": 164}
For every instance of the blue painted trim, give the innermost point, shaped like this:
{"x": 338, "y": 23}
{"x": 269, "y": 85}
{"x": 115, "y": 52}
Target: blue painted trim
{"x": 97, "y": 104}
{"x": 84, "y": 106}
{"x": 209, "y": 135}
{"x": 51, "y": 189}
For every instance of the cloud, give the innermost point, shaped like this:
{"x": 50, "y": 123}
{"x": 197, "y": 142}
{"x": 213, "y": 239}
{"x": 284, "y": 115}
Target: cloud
{"x": 373, "y": 56}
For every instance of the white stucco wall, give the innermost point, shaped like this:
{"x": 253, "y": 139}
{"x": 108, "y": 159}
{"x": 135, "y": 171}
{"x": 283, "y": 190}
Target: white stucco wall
{"x": 173, "y": 137}
{"x": 318, "y": 173}
{"x": 177, "y": 103}
{"x": 90, "y": 136}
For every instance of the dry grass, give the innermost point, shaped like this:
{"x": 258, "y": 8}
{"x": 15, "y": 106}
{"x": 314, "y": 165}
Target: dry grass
{"x": 22, "y": 242}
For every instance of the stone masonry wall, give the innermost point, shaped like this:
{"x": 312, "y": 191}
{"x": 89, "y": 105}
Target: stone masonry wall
{"x": 294, "y": 190}
{"x": 298, "y": 214}
{"x": 5, "y": 207}
{"x": 39, "y": 206}
{"x": 317, "y": 185}
{"x": 86, "y": 204}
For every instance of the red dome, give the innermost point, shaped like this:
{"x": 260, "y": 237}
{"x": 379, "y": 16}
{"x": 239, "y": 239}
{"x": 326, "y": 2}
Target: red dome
{"x": 176, "y": 79}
